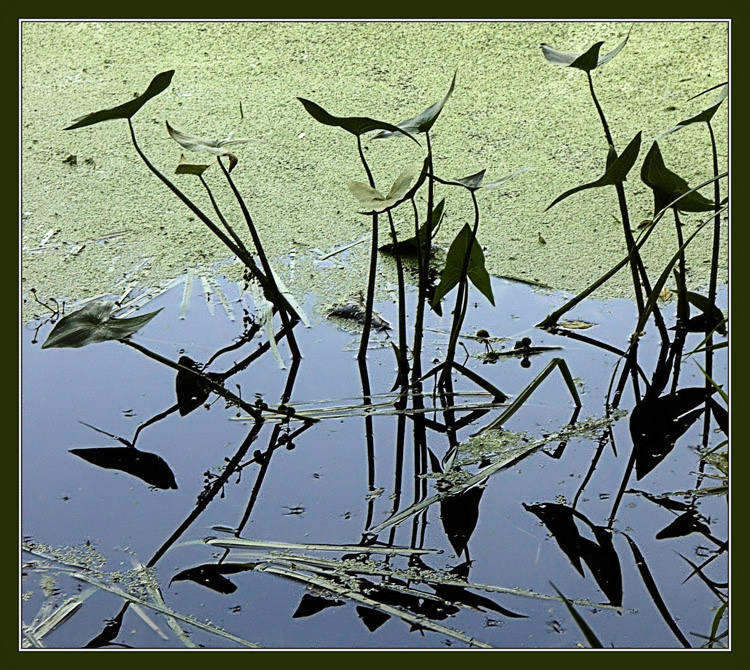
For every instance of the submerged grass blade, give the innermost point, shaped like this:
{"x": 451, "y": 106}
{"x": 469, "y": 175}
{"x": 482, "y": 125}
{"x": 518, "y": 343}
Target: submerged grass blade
{"x": 186, "y": 292}
{"x": 239, "y": 543}
{"x": 653, "y": 591}
{"x": 591, "y": 637}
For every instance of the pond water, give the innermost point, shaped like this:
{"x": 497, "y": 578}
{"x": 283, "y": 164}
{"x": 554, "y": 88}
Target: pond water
{"x": 87, "y": 527}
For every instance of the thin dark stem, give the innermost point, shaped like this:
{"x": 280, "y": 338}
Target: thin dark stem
{"x": 403, "y": 366}
{"x": 224, "y": 222}
{"x": 193, "y": 208}
{"x": 712, "y": 284}
{"x": 630, "y": 242}
{"x": 459, "y": 311}
{"x": 370, "y": 298}
{"x": 286, "y": 311}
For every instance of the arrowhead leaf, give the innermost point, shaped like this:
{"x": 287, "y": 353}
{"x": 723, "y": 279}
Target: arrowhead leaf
{"x": 186, "y": 167}
{"x": 422, "y": 122}
{"x": 667, "y": 186}
{"x": 159, "y": 83}
{"x": 94, "y": 323}
{"x": 454, "y": 262}
{"x": 356, "y": 125}
{"x": 615, "y": 173}
{"x": 586, "y": 61}
{"x": 703, "y": 116}
{"x": 373, "y": 200}
{"x": 194, "y": 143}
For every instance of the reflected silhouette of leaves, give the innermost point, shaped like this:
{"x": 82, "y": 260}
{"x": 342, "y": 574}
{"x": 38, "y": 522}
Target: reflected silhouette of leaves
{"x": 192, "y": 390}
{"x": 459, "y": 515}
{"x": 212, "y": 576}
{"x": 372, "y": 618}
{"x": 600, "y": 556}
{"x": 151, "y": 468}
{"x": 684, "y": 525}
{"x": 656, "y": 424}
{"x": 311, "y": 604}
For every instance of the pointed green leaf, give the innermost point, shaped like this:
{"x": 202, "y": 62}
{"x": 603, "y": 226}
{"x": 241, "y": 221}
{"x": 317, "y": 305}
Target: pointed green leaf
{"x": 616, "y": 172}
{"x": 586, "y": 61}
{"x": 422, "y": 122}
{"x": 128, "y": 109}
{"x": 704, "y": 116}
{"x": 475, "y": 181}
{"x": 454, "y": 263}
{"x": 591, "y": 637}
{"x": 667, "y": 186}
{"x": 373, "y": 201}
{"x": 194, "y": 143}
{"x": 356, "y": 125}
{"x": 410, "y": 245}
{"x": 186, "y": 167}
{"x": 94, "y": 323}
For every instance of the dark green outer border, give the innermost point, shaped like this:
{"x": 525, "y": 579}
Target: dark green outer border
{"x": 11, "y": 405}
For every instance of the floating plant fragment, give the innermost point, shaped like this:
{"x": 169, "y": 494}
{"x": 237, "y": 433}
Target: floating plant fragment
{"x": 186, "y": 167}
{"x": 159, "y": 83}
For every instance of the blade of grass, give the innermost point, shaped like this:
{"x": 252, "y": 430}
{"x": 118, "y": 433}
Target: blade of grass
{"x": 581, "y": 623}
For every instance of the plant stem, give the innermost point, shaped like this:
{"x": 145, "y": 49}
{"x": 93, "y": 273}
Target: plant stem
{"x": 630, "y": 242}
{"x": 403, "y": 371}
{"x": 459, "y": 312}
{"x": 369, "y": 300}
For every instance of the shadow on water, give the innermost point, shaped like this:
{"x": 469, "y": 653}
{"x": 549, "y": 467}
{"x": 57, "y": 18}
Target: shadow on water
{"x": 312, "y": 506}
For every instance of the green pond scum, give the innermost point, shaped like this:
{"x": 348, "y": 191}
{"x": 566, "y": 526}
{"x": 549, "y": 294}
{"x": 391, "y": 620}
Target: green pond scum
{"x": 94, "y": 221}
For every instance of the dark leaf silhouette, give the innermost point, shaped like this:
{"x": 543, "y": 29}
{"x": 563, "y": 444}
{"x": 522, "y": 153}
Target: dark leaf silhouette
{"x": 459, "y": 515}
{"x": 409, "y": 246}
{"x": 211, "y": 575}
{"x": 192, "y": 389}
{"x": 602, "y": 560}
{"x": 711, "y": 317}
{"x": 454, "y": 263}
{"x": 600, "y": 556}
{"x": 458, "y": 594}
{"x": 149, "y": 467}
{"x": 684, "y": 525}
{"x": 422, "y": 122}
{"x": 616, "y": 172}
{"x": 586, "y": 61}
{"x": 128, "y": 109}
{"x": 656, "y": 424}
{"x": 356, "y": 125}
{"x": 476, "y": 181}
{"x": 373, "y": 619}
{"x": 311, "y": 604}
{"x": 721, "y": 415}
{"x": 94, "y": 323}
{"x": 667, "y": 186}
{"x": 703, "y": 116}
{"x": 559, "y": 521}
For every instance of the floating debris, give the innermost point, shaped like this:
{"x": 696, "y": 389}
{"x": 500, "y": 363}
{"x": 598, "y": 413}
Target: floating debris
{"x": 354, "y": 310}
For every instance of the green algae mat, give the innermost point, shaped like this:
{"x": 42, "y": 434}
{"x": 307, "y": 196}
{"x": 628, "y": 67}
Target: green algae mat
{"x": 95, "y": 221}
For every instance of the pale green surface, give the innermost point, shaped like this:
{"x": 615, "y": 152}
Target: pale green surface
{"x": 510, "y": 110}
